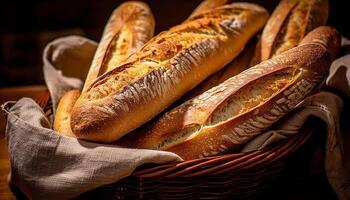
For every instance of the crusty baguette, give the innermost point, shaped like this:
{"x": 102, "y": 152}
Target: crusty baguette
{"x": 227, "y": 116}
{"x": 167, "y": 67}
{"x": 239, "y": 64}
{"x": 62, "y": 117}
{"x": 289, "y": 23}
{"x": 130, "y": 26}
{"x": 128, "y": 29}
{"x": 207, "y": 5}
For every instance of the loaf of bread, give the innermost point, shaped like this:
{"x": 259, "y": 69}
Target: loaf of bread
{"x": 289, "y": 23}
{"x": 62, "y": 117}
{"x": 207, "y": 5}
{"x": 130, "y": 26}
{"x": 166, "y": 68}
{"x": 228, "y": 115}
{"x": 128, "y": 29}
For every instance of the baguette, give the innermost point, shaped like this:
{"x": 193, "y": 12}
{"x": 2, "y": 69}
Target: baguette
{"x": 228, "y": 115}
{"x": 289, "y": 23}
{"x": 167, "y": 67}
{"x": 130, "y": 26}
{"x": 128, "y": 29}
{"x": 62, "y": 117}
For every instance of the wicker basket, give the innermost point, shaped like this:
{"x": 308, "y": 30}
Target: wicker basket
{"x": 231, "y": 176}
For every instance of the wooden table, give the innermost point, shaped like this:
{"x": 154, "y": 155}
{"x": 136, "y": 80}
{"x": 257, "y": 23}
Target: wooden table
{"x": 11, "y": 94}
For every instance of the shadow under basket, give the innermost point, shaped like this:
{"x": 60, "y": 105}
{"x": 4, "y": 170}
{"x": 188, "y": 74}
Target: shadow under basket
{"x": 231, "y": 176}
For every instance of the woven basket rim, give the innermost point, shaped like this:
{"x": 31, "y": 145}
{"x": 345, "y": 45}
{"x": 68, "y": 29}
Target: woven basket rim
{"x": 215, "y": 165}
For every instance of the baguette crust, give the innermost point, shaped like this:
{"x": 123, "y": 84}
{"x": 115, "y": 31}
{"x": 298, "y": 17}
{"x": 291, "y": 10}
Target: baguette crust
{"x": 325, "y": 36}
{"x": 128, "y": 29}
{"x": 289, "y": 23}
{"x": 227, "y": 116}
{"x": 168, "y": 66}
{"x": 62, "y": 118}
{"x": 239, "y": 64}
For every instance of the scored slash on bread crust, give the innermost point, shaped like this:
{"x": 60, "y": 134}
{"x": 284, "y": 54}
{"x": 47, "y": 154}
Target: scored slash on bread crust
{"x": 289, "y": 23}
{"x": 239, "y": 64}
{"x": 228, "y": 115}
{"x": 130, "y": 26}
{"x": 168, "y": 66}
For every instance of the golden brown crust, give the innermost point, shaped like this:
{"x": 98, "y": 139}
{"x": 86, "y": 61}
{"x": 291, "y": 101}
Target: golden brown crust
{"x": 63, "y": 112}
{"x": 325, "y": 36}
{"x": 130, "y": 26}
{"x": 230, "y": 114}
{"x": 207, "y": 5}
{"x": 289, "y": 23}
{"x": 239, "y": 64}
{"x": 167, "y": 67}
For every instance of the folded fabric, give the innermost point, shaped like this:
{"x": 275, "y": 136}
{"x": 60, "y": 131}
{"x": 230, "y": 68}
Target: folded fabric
{"x": 47, "y": 165}
{"x": 66, "y": 63}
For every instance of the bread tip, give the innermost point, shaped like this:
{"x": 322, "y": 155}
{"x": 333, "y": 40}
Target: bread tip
{"x": 325, "y": 36}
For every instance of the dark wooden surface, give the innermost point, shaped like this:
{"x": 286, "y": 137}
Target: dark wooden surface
{"x": 5, "y": 192}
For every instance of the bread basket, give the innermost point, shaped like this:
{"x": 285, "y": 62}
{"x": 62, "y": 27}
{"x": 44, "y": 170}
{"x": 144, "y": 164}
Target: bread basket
{"x": 231, "y": 176}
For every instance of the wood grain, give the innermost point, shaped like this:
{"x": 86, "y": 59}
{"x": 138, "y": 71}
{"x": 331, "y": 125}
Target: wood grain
{"x": 5, "y": 192}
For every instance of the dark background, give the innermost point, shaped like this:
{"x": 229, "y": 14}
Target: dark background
{"x": 27, "y": 26}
